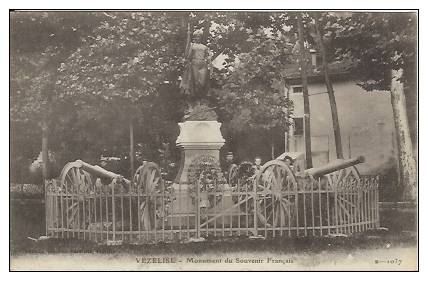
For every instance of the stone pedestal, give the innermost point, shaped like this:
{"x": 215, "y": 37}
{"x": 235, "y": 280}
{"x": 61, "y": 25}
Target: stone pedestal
{"x": 198, "y": 140}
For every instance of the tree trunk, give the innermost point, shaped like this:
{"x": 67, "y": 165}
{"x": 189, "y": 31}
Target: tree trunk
{"x": 131, "y": 148}
{"x": 331, "y": 97}
{"x": 406, "y": 159}
{"x": 45, "y": 154}
{"x": 306, "y": 108}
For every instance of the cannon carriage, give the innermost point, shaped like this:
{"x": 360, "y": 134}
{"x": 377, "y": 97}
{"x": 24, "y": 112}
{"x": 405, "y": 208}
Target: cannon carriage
{"x": 84, "y": 187}
{"x": 80, "y": 182}
{"x": 276, "y": 183}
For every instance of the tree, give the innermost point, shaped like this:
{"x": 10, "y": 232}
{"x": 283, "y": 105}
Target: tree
{"x": 383, "y": 49}
{"x": 330, "y": 91}
{"x": 39, "y": 41}
{"x": 31, "y": 81}
{"x": 250, "y": 87}
{"x": 306, "y": 107}
{"x": 118, "y": 77}
{"x": 121, "y": 70}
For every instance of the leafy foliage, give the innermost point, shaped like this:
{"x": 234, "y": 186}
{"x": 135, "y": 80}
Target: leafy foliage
{"x": 127, "y": 60}
{"x": 39, "y": 41}
{"x": 90, "y": 74}
{"x": 376, "y": 43}
{"x": 250, "y": 90}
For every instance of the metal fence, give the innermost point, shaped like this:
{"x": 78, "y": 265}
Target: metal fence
{"x": 123, "y": 214}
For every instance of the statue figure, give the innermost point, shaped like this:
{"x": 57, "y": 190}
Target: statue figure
{"x": 195, "y": 79}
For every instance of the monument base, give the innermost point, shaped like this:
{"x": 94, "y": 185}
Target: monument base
{"x": 200, "y": 143}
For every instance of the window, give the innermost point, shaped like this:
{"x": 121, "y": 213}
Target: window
{"x": 297, "y": 89}
{"x": 319, "y": 60}
{"x": 298, "y": 125}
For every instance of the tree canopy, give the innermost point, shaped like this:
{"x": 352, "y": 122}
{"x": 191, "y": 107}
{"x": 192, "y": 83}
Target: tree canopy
{"x": 375, "y": 43}
{"x": 89, "y": 74}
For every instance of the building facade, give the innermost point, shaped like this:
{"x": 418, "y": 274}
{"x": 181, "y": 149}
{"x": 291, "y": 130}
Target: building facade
{"x": 365, "y": 119}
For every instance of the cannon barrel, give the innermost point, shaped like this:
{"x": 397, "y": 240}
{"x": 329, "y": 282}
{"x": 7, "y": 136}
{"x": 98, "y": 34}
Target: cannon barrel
{"x": 333, "y": 166}
{"x": 100, "y": 172}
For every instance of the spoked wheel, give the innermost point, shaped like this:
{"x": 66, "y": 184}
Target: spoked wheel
{"x": 275, "y": 202}
{"x": 148, "y": 181}
{"x": 77, "y": 184}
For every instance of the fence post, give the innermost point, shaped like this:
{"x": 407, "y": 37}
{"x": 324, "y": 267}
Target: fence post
{"x": 373, "y": 204}
{"x": 198, "y": 234}
{"x": 377, "y": 202}
{"x": 46, "y": 206}
{"x": 336, "y": 215}
{"x": 256, "y": 232}
{"x": 113, "y": 210}
{"x": 163, "y": 209}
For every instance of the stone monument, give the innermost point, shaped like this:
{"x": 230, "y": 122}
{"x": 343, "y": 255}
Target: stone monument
{"x": 200, "y": 138}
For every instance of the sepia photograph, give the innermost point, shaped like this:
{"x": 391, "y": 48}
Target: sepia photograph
{"x": 213, "y": 140}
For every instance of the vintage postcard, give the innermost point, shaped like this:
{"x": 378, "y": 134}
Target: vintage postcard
{"x": 213, "y": 140}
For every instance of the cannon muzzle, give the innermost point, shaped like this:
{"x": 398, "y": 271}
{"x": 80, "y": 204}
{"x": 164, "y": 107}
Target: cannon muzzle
{"x": 102, "y": 173}
{"x": 333, "y": 166}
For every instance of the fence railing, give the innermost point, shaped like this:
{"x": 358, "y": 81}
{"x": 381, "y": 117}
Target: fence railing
{"x": 118, "y": 213}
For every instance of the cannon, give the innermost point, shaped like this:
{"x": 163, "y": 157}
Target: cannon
{"x": 339, "y": 173}
{"x": 79, "y": 175}
{"x": 277, "y": 176}
{"x": 333, "y": 166}
{"x": 273, "y": 177}
{"x": 275, "y": 209}
{"x": 79, "y": 179}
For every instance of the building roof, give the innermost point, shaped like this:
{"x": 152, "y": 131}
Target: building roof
{"x": 338, "y": 71}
